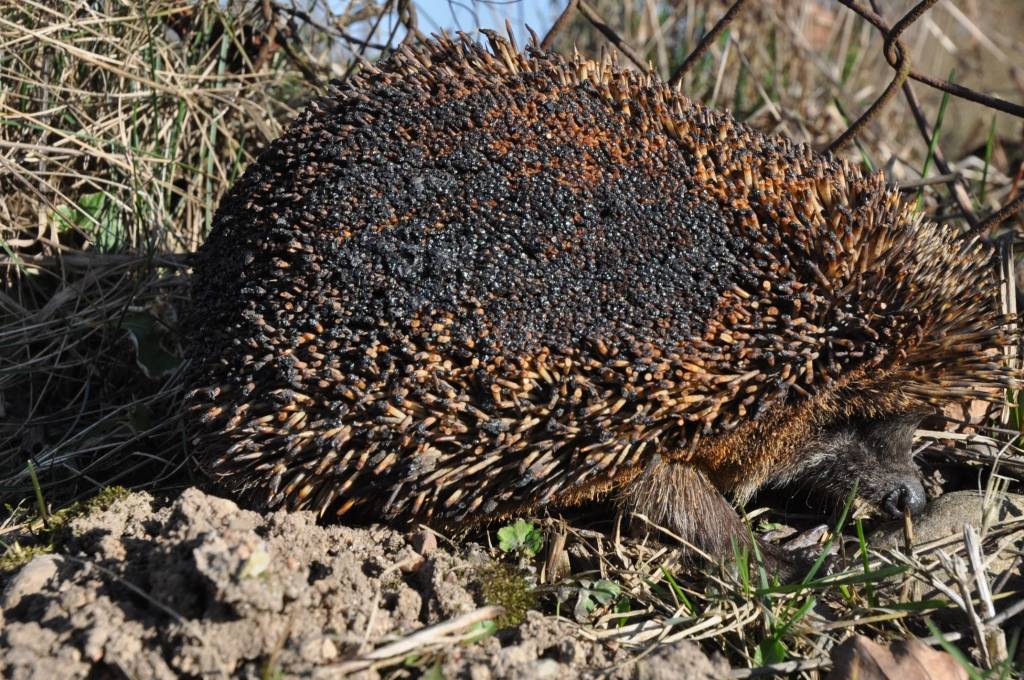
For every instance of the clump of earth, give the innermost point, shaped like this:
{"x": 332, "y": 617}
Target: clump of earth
{"x": 200, "y": 588}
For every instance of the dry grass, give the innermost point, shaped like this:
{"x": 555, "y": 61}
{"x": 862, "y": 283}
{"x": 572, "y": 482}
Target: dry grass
{"x": 946, "y": 584}
{"x": 121, "y": 127}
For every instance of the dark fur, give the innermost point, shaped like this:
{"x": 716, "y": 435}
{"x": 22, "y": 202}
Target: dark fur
{"x": 871, "y": 456}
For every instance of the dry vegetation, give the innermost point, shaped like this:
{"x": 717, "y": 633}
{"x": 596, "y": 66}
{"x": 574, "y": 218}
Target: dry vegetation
{"x": 122, "y": 123}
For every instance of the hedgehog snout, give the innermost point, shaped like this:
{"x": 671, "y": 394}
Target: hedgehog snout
{"x": 908, "y": 496}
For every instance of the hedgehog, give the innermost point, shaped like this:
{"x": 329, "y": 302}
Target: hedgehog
{"x": 472, "y": 282}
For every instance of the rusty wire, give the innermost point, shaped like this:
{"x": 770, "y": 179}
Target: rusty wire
{"x": 944, "y": 85}
{"x": 999, "y": 216}
{"x": 893, "y": 51}
{"x": 896, "y": 54}
{"x": 895, "y": 46}
{"x": 957, "y": 184}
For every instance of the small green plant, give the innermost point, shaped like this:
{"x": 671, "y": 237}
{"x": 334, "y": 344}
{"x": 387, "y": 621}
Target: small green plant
{"x": 433, "y": 673}
{"x": 102, "y": 501}
{"x": 677, "y": 592}
{"x": 271, "y": 671}
{"x": 520, "y": 537}
{"x": 590, "y": 595}
{"x": 16, "y": 555}
{"x": 972, "y": 672}
{"x": 96, "y": 216}
{"x": 506, "y": 586}
{"x": 47, "y": 529}
{"x": 481, "y": 630}
{"x": 933, "y": 142}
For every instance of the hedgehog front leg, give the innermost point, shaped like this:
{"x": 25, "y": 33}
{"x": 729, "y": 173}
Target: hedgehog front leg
{"x": 681, "y": 498}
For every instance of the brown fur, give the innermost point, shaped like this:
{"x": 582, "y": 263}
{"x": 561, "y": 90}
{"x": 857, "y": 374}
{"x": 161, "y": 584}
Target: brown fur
{"x": 681, "y": 498}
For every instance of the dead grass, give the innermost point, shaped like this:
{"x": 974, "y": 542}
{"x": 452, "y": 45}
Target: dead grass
{"x": 120, "y": 129}
{"x": 944, "y": 585}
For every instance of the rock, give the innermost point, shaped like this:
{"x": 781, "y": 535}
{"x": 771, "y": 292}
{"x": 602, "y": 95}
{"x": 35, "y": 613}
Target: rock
{"x": 946, "y": 516}
{"x": 31, "y": 579}
{"x": 201, "y": 587}
{"x": 682, "y": 659}
{"x": 424, "y": 542}
{"x": 859, "y": 658}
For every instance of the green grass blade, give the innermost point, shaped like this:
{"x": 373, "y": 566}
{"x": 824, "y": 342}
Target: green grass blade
{"x": 934, "y": 141}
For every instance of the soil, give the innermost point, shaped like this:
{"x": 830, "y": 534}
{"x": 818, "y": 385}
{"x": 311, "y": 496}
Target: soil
{"x": 203, "y": 589}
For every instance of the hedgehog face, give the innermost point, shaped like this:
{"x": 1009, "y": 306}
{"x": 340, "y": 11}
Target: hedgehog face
{"x": 870, "y": 453}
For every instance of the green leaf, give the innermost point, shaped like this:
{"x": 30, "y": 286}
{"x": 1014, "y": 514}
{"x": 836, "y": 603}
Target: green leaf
{"x": 149, "y": 338}
{"x": 680, "y": 595}
{"x": 933, "y": 142}
{"x": 770, "y": 651}
{"x": 605, "y": 591}
{"x": 989, "y": 145}
{"x": 596, "y": 593}
{"x": 584, "y": 605}
{"x": 953, "y": 651}
{"x": 95, "y": 217}
{"x": 827, "y": 582}
{"x": 433, "y": 673}
{"x": 480, "y": 631}
{"x": 521, "y": 536}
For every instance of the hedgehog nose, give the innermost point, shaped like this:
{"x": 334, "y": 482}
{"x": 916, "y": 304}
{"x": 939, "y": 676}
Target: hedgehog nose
{"x": 909, "y": 495}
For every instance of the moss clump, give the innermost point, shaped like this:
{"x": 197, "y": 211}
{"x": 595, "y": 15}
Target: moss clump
{"x": 46, "y": 534}
{"x": 102, "y": 501}
{"x": 507, "y": 587}
{"x": 16, "y": 555}
{"x": 107, "y": 496}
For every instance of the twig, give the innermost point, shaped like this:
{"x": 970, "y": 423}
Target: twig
{"x": 269, "y": 37}
{"x": 956, "y": 183}
{"x": 361, "y": 52}
{"x": 784, "y": 668}
{"x": 706, "y": 42}
{"x": 407, "y": 17}
{"x": 928, "y": 181}
{"x": 1007, "y": 613}
{"x": 1000, "y": 216}
{"x": 594, "y": 18}
{"x": 956, "y": 186}
{"x": 425, "y": 636}
{"x": 992, "y": 638}
{"x": 86, "y": 260}
{"x": 563, "y": 20}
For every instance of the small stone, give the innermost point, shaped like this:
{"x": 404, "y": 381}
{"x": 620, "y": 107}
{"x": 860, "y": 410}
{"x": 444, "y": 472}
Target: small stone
{"x": 546, "y": 668}
{"x": 947, "y": 515}
{"x": 32, "y": 578}
{"x": 424, "y": 542}
{"x": 256, "y": 563}
{"x": 94, "y": 641}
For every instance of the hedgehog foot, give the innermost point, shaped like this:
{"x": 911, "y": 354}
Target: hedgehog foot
{"x": 681, "y": 499}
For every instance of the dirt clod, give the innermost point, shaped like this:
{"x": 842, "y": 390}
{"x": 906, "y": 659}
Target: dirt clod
{"x": 202, "y": 588}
